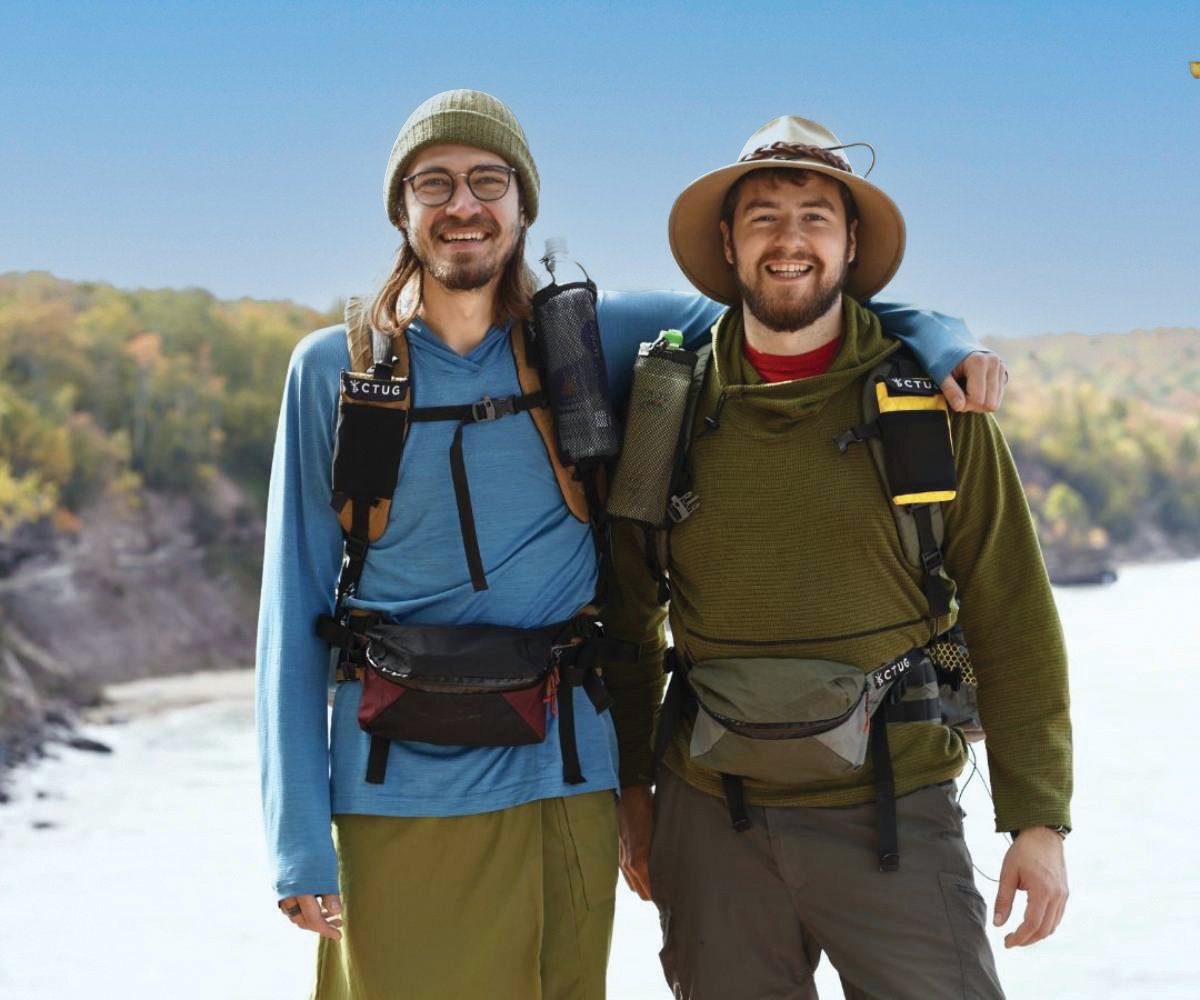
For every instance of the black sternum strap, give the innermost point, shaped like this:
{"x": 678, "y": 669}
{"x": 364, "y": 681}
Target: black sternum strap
{"x": 484, "y": 411}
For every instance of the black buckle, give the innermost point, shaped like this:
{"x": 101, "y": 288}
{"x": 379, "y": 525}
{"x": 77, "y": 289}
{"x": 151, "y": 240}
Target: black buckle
{"x": 488, "y": 409}
{"x": 559, "y": 657}
{"x": 932, "y": 561}
{"x": 889, "y": 862}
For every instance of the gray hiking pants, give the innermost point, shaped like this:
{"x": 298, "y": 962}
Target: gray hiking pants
{"x": 746, "y": 916}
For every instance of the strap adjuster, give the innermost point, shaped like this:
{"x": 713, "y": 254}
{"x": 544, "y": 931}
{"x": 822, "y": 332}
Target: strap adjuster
{"x": 681, "y": 507}
{"x": 488, "y": 409}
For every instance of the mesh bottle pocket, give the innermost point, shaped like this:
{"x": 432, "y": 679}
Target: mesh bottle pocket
{"x": 567, "y": 338}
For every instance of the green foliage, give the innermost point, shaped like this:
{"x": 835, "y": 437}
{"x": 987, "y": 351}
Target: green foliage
{"x": 109, "y": 390}
{"x": 1106, "y": 431}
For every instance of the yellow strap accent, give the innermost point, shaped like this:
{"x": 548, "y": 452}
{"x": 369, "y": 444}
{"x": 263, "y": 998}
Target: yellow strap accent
{"x": 894, "y": 404}
{"x": 935, "y": 497}
{"x": 570, "y": 487}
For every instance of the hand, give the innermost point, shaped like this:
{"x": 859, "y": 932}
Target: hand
{"x": 1034, "y": 863}
{"x": 985, "y": 377}
{"x": 319, "y": 914}
{"x": 635, "y": 823}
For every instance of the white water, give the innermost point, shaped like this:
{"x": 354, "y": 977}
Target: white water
{"x": 152, "y": 881}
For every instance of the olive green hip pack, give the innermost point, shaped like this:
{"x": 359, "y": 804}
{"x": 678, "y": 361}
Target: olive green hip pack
{"x": 795, "y": 721}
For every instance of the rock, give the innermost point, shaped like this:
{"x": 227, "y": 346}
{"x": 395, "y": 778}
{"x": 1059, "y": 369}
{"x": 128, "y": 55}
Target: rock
{"x": 43, "y": 824}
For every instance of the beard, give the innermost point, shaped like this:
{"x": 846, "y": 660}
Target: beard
{"x": 782, "y": 312}
{"x": 470, "y": 270}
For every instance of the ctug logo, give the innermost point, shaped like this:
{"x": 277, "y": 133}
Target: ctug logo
{"x": 915, "y": 384}
{"x": 358, "y": 388}
{"x": 891, "y": 672}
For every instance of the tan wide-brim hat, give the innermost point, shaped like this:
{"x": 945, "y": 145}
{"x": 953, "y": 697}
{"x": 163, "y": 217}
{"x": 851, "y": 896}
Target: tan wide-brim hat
{"x": 795, "y": 142}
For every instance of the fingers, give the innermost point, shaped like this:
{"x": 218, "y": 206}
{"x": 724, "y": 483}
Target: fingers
{"x": 332, "y": 906}
{"x": 1005, "y": 892}
{"x": 637, "y": 877}
{"x": 1036, "y": 905}
{"x": 953, "y": 393}
{"x": 984, "y": 376}
{"x": 317, "y": 918}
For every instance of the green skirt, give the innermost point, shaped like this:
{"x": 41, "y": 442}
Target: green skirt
{"x": 509, "y": 905}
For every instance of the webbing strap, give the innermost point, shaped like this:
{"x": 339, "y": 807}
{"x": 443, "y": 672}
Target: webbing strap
{"x": 672, "y": 709}
{"x": 483, "y": 411}
{"x": 885, "y": 797}
{"x": 598, "y": 527}
{"x": 735, "y": 799}
{"x": 576, "y": 665}
{"x": 921, "y": 710}
{"x": 931, "y": 562}
{"x": 466, "y": 516}
{"x": 377, "y": 760}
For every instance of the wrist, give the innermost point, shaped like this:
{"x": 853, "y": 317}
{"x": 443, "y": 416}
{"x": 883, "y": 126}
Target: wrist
{"x": 1061, "y": 830}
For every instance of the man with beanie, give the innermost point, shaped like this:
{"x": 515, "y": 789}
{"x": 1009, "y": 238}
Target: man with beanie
{"x": 457, "y": 871}
{"x": 805, "y": 802}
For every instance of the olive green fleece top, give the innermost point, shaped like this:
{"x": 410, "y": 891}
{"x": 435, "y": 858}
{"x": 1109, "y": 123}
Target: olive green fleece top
{"x": 794, "y": 551}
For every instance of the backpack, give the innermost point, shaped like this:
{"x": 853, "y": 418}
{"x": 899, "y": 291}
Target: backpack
{"x": 470, "y": 685}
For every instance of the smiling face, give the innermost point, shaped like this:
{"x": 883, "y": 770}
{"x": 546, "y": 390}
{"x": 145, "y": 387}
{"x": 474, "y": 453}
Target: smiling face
{"x": 465, "y": 243}
{"x": 790, "y": 245}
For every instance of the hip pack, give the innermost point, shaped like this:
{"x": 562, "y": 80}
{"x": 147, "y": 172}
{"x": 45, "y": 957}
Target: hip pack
{"x": 799, "y": 721}
{"x": 471, "y": 685}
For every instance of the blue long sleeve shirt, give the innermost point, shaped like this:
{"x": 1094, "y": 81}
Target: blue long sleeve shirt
{"x": 539, "y": 561}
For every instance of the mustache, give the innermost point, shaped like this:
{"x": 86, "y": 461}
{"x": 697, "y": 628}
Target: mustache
{"x": 481, "y": 222}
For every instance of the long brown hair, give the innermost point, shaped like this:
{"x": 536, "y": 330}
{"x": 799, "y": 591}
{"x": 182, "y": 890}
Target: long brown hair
{"x": 513, "y": 294}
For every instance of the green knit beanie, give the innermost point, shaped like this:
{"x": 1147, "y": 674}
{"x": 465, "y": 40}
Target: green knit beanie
{"x": 467, "y": 118}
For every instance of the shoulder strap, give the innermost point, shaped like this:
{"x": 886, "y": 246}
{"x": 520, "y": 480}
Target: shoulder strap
{"x": 368, "y": 346}
{"x": 920, "y": 526}
{"x": 570, "y": 485}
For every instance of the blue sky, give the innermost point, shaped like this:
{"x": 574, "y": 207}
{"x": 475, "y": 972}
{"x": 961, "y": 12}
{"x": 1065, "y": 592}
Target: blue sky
{"x": 1046, "y": 155}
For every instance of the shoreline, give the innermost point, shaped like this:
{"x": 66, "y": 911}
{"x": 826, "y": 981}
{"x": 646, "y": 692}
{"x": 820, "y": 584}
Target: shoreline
{"x": 62, "y": 724}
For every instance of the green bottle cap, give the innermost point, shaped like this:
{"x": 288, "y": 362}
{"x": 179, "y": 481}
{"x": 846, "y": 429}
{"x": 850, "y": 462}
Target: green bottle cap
{"x": 674, "y": 338}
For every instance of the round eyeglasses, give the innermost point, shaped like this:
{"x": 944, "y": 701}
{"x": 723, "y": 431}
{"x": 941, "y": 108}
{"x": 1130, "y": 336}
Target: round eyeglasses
{"x": 487, "y": 181}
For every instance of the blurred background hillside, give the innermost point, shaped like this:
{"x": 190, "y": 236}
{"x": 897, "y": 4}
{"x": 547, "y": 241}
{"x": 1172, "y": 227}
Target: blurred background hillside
{"x": 136, "y": 431}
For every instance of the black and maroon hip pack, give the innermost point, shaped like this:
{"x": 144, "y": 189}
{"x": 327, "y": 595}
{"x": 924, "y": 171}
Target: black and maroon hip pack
{"x": 476, "y": 685}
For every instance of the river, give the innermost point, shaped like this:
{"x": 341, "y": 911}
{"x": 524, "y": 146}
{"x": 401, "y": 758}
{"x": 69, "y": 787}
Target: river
{"x": 142, "y": 874}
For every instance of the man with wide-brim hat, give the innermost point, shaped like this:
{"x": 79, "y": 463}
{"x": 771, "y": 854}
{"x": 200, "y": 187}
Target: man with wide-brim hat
{"x": 787, "y": 143}
{"x": 842, "y": 533}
